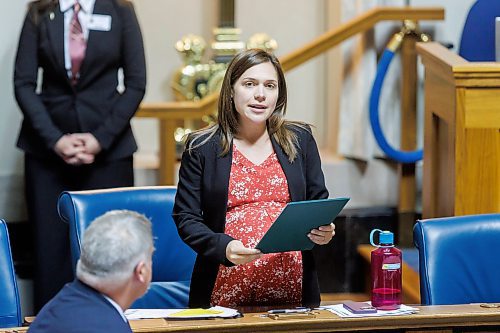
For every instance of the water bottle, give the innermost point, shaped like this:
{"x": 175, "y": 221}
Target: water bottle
{"x": 386, "y": 263}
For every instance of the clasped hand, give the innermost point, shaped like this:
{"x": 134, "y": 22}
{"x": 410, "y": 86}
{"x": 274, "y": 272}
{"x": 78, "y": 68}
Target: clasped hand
{"x": 77, "y": 148}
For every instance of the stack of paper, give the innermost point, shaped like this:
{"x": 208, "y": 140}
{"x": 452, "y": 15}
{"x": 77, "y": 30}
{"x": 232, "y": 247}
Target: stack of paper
{"x": 213, "y": 312}
{"x": 340, "y": 311}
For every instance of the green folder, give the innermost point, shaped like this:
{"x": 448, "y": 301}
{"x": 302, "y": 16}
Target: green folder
{"x": 289, "y": 231}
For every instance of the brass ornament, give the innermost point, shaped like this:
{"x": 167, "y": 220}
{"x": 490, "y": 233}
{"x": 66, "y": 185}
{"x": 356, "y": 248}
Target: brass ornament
{"x": 262, "y": 41}
{"x": 195, "y": 79}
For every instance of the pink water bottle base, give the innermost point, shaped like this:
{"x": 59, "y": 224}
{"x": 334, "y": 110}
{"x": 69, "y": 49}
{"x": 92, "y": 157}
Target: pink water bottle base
{"x": 386, "y": 298}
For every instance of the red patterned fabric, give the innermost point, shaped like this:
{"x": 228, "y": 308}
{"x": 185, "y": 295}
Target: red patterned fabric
{"x": 257, "y": 195}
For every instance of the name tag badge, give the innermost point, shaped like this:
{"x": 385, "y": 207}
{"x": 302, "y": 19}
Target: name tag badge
{"x": 100, "y": 22}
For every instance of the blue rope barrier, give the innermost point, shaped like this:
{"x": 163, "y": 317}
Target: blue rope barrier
{"x": 397, "y": 155}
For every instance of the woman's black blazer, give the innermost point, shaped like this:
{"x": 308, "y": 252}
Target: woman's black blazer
{"x": 201, "y": 203}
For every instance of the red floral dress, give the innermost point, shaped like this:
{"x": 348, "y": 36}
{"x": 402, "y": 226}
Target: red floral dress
{"x": 257, "y": 195}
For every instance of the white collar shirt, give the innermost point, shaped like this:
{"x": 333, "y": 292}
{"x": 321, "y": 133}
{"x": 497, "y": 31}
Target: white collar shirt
{"x": 84, "y": 16}
{"x": 117, "y": 307}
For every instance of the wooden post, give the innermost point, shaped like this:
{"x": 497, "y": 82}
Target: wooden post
{"x": 167, "y": 152}
{"x": 226, "y": 13}
{"x": 407, "y": 182}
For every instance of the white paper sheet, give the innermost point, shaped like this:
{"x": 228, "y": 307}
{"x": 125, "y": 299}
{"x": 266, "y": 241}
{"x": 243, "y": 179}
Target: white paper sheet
{"x": 340, "y": 311}
{"x": 223, "y": 312}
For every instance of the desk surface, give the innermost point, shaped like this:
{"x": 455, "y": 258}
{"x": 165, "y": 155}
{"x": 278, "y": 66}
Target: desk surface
{"x": 446, "y": 318}
{"x": 430, "y": 317}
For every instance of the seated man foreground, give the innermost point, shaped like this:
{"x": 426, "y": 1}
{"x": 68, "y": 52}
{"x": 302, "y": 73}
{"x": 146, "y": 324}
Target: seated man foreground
{"x": 114, "y": 270}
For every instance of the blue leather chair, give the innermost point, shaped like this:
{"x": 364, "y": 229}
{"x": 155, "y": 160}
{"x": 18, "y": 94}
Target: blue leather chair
{"x": 458, "y": 259}
{"x": 10, "y": 308}
{"x": 478, "y": 36}
{"x": 173, "y": 260}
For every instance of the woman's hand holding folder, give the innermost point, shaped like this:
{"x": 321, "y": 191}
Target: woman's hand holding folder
{"x": 238, "y": 254}
{"x": 323, "y": 235}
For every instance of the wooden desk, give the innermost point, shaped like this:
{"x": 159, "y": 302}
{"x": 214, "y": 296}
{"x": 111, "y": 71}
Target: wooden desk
{"x": 444, "y": 318}
{"x": 451, "y": 318}
{"x": 411, "y": 280}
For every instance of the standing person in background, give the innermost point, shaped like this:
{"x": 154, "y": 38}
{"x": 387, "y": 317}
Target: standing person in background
{"x": 235, "y": 178}
{"x": 114, "y": 269}
{"x": 76, "y": 131}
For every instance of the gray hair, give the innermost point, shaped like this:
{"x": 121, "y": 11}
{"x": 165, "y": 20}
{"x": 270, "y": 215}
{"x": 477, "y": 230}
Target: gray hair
{"x": 113, "y": 245}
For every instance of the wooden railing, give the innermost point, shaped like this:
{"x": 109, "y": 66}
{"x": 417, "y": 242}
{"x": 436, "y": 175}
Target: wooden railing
{"x": 172, "y": 114}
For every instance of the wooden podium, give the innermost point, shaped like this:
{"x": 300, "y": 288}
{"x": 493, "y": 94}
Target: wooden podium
{"x": 462, "y": 134}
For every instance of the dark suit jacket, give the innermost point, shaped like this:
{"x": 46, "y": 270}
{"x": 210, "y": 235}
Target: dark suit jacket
{"x": 78, "y": 308}
{"x": 201, "y": 203}
{"x": 93, "y": 105}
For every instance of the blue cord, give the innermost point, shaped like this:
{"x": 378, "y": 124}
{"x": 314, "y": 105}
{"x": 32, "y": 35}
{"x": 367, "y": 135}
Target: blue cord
{"x": 398, "y": 155}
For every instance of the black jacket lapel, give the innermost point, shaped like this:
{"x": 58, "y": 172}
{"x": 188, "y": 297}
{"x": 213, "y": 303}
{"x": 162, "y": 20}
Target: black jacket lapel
{"x": 54, "y": 23}
{"x": 101, "y": 7}
{"x": 292, "y": 172}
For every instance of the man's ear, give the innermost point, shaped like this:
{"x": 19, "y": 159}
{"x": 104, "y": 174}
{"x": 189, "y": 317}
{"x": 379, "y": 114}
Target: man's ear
{"x": 140, "y": 271}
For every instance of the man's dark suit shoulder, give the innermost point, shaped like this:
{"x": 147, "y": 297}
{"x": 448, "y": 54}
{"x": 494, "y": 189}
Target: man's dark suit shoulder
{"x": 78, "y": 308}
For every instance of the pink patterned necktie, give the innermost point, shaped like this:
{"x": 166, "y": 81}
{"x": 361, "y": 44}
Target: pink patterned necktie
{"x": 77, "y": 44}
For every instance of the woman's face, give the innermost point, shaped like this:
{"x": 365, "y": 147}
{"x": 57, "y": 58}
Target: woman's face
{"x": 255, "y": 94}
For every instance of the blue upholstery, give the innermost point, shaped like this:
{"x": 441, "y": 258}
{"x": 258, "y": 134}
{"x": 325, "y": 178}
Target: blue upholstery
{"x": 478, "y": 36}
{"x": 10, "y": 309}
{"x": 459, "y": 259}
{"x": 410, "y": 257}
{"x": 173, "y": 260}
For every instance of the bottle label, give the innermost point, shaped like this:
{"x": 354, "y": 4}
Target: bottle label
{"x": 390, "y": 267}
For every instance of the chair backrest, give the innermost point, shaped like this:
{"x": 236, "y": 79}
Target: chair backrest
{"x": 458, "y": 259}
{"x": 173, "y": 260}
{"x": 10, "y": 308}
{"x": 478, "y": 36}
